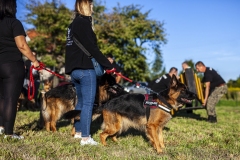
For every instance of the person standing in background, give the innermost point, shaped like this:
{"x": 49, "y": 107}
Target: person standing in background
{"x": 215, "y": 88}
{"x": 187, "y": 68}
{"x": 12, "y": 71}
{"x": 162, "y": 84}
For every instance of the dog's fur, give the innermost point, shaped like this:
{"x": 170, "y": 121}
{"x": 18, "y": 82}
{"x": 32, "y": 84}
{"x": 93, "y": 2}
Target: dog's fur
{"x": 55, "y": 103}
{"x": 62, "y": 99}
{"x": 126, "y": 111}
{"x": 23, "y": 101}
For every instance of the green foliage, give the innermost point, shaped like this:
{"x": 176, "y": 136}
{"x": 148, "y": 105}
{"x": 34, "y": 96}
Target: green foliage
{"x": 126, "y": 32}
{"x": 48, "y": 60}
{"x": 229, "y": 102}
{"x": 50, "y": 20}
{"x": 129, "y": 35}
{"x": 234, "y": 83}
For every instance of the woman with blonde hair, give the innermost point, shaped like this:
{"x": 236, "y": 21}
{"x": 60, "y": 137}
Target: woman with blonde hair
{"x": 80, "y": 67}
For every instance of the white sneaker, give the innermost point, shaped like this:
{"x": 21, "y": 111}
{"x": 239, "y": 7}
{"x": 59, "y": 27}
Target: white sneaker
{"x": 78, "y": 135}
{"x": 1, "y": 130}
{"x": 89, "y": 141}
{"x": 14, "y": 136}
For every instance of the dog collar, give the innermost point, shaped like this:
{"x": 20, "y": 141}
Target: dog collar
{"x": 164, "y": 108}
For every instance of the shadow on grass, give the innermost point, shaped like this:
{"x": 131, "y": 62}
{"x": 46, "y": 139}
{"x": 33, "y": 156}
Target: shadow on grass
{"x": 190, "y": 115}
{"x": 30, "y": 126}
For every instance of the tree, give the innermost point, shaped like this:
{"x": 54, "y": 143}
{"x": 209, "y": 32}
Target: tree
{"x": 126, "y": 32}
{"x": 50, "y": 20}
{"x": 129, "y": 35}
{"x": 234, "y": 83}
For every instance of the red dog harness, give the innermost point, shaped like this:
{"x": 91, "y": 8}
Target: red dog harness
{"x": 150, "y": 103}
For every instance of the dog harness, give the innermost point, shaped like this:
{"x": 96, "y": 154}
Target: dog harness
{"x": 150, "y": 103}
{"x": 115, "y": 89}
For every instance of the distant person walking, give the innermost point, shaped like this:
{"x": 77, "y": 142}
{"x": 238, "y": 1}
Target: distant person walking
{"x": 215, "y": 88}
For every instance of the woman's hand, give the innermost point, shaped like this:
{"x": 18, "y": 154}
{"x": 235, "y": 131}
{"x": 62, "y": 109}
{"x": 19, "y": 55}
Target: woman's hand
{"x": 110, "y": 71}
{"x": 35, "y": 62}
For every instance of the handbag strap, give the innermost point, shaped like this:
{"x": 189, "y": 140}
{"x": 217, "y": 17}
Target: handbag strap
{"x": 82, "y": 47}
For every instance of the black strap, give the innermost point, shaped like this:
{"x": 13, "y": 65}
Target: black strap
{"x": 82, "y": 47}
{"x": 147, "y": 112}
{"x": 162, "y": 99}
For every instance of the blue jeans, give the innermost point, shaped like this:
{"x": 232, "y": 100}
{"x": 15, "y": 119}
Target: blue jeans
{"x": 85, "y": 82}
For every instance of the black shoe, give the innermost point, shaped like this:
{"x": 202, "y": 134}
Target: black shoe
{"x": 212, "y": 119}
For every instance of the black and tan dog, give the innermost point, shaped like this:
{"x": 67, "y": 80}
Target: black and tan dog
{"x": 126, "y": 111}
{"x": 55, "y": 103}
{"x": 62, "y": 100}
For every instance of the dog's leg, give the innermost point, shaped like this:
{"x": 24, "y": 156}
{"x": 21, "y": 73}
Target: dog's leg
{"x": 160, "y": 136}
{"x": 152, "y": 135}
{"x": 53, "y": 120}
{"x": 73, "y": 131}
{"x": 47, "y": 126}
{"x": 53, "y": 126}
{"x": 114, "y": 138}
{"x": 111, "y": 123}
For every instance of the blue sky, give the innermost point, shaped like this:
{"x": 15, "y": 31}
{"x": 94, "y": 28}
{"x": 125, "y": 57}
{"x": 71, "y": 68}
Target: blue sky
{"x": 206, "y": 30}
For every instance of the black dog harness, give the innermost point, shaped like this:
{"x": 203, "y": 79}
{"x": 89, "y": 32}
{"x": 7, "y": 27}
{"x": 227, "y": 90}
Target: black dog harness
{"x": 150, "y": 103}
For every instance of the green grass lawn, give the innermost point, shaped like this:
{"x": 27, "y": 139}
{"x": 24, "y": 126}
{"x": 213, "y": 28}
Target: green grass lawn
{"x": 187, "y": 137}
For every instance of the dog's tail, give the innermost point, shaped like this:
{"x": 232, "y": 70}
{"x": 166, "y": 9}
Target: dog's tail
{"x": 44, "y": 101}
{"x": 97, "y": 112}
{"x": 71, "y": 114}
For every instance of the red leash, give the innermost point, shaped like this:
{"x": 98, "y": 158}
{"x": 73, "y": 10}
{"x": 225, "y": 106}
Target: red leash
{"x": 31, "y": 79}
{"x": 123, "y": 77}
{"x": 42, "y": 66}
{"x": 113, "y": 71}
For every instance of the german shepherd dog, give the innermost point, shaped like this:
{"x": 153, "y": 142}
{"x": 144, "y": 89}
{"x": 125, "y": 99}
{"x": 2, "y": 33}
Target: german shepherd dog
{"x": 55, "y": 103}
{"x": 126, "y": 111}
{"x": 61, "y": 100}
{"x": 25, "y": 103}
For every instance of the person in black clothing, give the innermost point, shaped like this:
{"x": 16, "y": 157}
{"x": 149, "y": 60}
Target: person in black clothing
{"x": 215, "y": 88}
{"x": 80, "y": 67}
{"x": 162, "y": 84}
{"x": 12, "y": 45}
{"x": 187, "y": 68}
{"x": 118, "y": 70}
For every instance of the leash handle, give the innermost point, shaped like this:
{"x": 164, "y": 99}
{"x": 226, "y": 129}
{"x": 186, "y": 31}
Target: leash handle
{"x": 31, "y": 79}
{"x": 31, "y": 84}
{"x": 42, "y": 66}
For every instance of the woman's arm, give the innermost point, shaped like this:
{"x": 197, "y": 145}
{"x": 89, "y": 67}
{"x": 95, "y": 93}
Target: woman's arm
{"x": 25, "y": 50}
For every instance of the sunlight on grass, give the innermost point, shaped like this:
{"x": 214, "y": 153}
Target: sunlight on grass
{"x": 186, "y": 136}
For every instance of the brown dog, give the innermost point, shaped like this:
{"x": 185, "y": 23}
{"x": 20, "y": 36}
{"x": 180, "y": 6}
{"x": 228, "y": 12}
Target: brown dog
{"x": 25, "y": 103}
{"x": 61, "y": 101}
{"x": 53, "y": 107}
{"x": 126, "y": 111}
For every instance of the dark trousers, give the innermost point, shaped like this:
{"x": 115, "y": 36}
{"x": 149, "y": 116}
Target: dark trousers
{"x": 11, "y": 82}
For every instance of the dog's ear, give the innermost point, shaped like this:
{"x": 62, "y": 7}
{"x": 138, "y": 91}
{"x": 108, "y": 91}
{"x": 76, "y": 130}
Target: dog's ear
{"x": 173, "y": 81}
